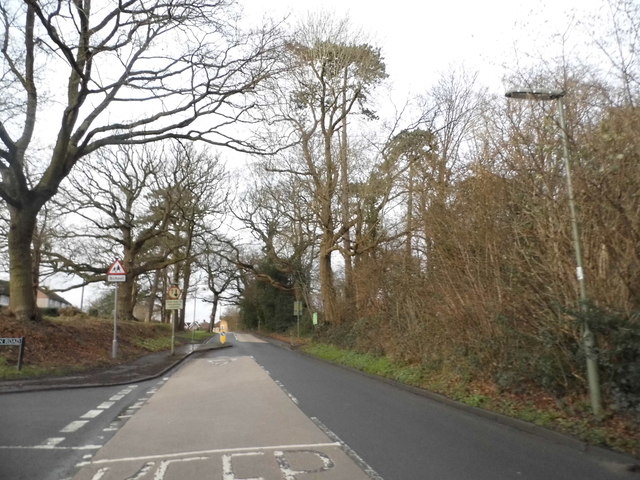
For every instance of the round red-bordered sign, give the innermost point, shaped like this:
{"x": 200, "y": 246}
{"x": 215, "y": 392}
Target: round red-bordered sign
{"x": 174, "y": 292}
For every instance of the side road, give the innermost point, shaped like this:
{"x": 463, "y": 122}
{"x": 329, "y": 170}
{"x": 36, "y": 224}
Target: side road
{"x": 146, "y": 367}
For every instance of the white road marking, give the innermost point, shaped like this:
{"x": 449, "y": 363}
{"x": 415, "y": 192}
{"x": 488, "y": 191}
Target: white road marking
{"x": 227, "y": 469}
{"x": 373, "y": 475}
{"x": 92, "y": 414}
{"x": 284, "y": 389}
{"x": 74, "y": 426}
{"x": 290, "y": 474}
{"x": 162, "y": 469}
{"x": 52, "y": 441}
{"x": 48, "y": 447}
{"x": 107, "y": 461}
{"x": 99, "y": 474}
{"x": 113, "y": 427}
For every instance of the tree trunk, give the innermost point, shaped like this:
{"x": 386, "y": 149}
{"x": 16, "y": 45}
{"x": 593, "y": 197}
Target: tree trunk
{"x": 327, "y": 287}
{"x": 126, "y": 297}
{"x": 349, "y": 283}
{"x": 22, "y": 286}
{"x": 214, "y": 311}
{"x": 152, "y": 297}
{"x": 180, "y": 326}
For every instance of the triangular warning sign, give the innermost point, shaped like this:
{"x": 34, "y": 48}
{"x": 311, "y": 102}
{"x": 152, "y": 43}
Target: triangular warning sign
{"x": 116, "y": 268}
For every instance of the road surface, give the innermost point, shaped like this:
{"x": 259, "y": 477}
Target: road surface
{"x": 260, "y": 412}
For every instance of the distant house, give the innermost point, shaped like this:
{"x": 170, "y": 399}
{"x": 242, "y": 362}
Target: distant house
{"x": 4, "y": 293}
{"x": 44, "y": 299}
{"x": 48, "y": 299}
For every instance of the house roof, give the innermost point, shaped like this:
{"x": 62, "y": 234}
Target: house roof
{"x": 54, "y": 296}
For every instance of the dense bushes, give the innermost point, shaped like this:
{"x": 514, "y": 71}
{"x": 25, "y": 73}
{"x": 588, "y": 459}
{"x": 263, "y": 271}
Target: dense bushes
{"x": 619, "y": 357}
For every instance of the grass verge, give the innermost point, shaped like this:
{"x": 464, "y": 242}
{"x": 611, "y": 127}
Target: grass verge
{"x": 67, "y": 345}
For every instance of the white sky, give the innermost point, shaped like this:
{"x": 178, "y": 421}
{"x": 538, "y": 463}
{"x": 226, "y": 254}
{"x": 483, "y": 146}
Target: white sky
{"x": 420, "y": 40}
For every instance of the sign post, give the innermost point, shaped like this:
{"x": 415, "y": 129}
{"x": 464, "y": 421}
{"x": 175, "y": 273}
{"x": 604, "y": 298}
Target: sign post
{"x": 18, "y": 342}
{"x": 297, "y": 312}
{"x": 174, "y": 302}
{"x": 116, "y": 273}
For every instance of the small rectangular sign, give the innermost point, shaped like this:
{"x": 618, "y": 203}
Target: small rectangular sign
{"x": 11, "y": 341}
{"x": 116, "y": 278}
{"x": 174, "y": 304}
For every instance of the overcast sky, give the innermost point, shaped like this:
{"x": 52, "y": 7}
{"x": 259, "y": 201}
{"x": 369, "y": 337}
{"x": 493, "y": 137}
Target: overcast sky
{"x": 421, "y": 40}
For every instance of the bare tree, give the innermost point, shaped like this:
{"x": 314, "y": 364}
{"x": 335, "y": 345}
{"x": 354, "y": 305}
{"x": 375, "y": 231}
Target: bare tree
{"x": 201, "y": 185}
{"x": 328, "y": 76}
{"x": 220, "y": 272}
{"x": 136, "y": 72}
{"x": 111, "y": 212}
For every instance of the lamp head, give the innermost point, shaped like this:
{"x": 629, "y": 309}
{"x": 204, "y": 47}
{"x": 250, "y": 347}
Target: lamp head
{"x": 532, "y": 94}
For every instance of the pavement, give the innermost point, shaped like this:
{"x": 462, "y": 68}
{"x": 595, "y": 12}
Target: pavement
{"x": 144, "y": 368}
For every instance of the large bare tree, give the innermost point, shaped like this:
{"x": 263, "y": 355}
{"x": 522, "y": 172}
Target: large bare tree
{"x": 81, "y": 75}
{"x": 329, "y": 75}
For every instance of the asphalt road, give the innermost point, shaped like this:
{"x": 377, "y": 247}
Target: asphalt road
{"x": 43, "y": 435}
{"x": 260, "y": 411}
{"x": 404, "y": 436}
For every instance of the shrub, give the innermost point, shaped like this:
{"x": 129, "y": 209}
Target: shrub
{"x": 618, "y": 350}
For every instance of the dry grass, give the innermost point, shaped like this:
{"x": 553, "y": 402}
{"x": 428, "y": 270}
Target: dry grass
{"x": 76, "y": 342}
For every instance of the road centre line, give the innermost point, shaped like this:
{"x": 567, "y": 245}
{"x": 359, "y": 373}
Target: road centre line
{"x": 210, "y": 452}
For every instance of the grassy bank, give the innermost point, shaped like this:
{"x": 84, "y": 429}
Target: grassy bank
{"x": 63, "y": 345}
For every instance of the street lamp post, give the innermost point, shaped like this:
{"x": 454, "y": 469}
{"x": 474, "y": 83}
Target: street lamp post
{"x": 587, "y": 335}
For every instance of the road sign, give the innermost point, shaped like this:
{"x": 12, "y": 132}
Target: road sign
{"x": 174, "y": 292}
{"x": 116, "y": 272}
{"x": 174, "y": 304}
{"x": 17, "y": 341}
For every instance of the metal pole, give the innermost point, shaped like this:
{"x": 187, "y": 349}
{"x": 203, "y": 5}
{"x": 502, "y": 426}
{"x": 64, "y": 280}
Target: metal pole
{"x": 114, "y": 344}
{"x": 195, "y": 298}
{"x": 173, "y": 332}
{"x": 587, "y": 335}
{"x": 21, "y": 352}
